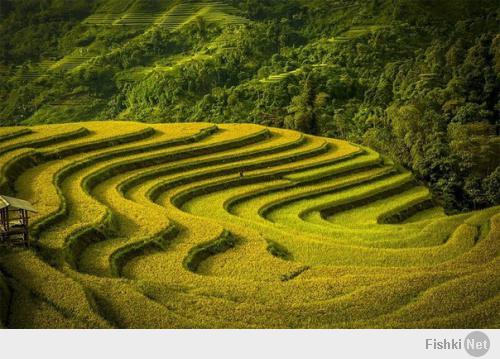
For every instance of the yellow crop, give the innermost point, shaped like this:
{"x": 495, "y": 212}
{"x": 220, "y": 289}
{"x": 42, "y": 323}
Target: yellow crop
{"x": 234, "y": 226}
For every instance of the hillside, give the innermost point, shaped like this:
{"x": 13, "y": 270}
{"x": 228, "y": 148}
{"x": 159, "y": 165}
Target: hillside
{"x": 234, "y": 226}
{"x": 418, "y": 80}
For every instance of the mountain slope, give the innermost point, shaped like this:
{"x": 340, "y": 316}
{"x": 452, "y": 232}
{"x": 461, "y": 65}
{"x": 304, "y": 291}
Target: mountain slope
{"x": 418, "y": 80}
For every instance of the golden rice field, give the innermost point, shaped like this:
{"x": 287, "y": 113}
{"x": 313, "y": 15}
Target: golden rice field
{"x": 234, "y": 226}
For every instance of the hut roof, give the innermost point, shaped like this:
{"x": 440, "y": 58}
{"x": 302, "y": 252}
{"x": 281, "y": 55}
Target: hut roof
{"x": 15, "y": 203}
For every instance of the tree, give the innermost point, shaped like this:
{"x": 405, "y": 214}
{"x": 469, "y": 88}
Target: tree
{"x": 491, "y": 187}
{"x": 305, "y": 108}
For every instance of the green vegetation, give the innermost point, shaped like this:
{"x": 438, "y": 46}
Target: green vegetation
{"x": 278, "y": 250}
{"x": 416, "y": 80}
{"x": 234, "y": 226}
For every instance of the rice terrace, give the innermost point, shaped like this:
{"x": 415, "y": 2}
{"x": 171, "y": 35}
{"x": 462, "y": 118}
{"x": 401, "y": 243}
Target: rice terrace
{"x": 234, "y": 226}
{"x": 257, "y": 164}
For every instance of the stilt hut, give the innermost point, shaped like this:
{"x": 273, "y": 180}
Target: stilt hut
{"x": 14, "y": 220}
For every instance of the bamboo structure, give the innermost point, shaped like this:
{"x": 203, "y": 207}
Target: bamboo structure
{"x": 14, "y": 220}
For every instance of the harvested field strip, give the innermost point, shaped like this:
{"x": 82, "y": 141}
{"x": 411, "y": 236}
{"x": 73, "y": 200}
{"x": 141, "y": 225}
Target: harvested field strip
{"x": 406, "y": 183}
{"x": 293, "y": 212}
{"x": 215, "y": 232}
{"x": 254, "y": 206}
{"x": 266, "y": 201}
{"x": 99, "y": 222}
{"x": 130, "y": 223}
{"x": 316, "y": 157}
{"x": 58, "y": 171}
{"x": 37, "y": 139}
{"x": 136, "y": 225}
{"x": 246, "y": 170}
{"x": 251, "y": 151}
{"x": 20, "y": 158}
{"x": 378, "y": 256}
{"x": 204, "y": 189}
{"x": 14, "y": 134}
{"x": 82, "y": 170}
{"x": 45, "y": 158}
{"x": 57, "y": 201}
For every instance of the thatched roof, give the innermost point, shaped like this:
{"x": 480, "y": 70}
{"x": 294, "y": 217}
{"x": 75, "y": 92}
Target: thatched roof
{"x": 15, "y": 203}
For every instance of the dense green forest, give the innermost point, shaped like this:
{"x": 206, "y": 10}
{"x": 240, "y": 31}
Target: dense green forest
{"x": 418, "y": 80}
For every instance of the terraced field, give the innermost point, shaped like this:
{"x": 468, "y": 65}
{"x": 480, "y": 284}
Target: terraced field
{"x": 70, "y": 62}
{"x": 171, "y": 15}
{"x": 27, "y": 73}
{"x": 204, "y": 226}
{"x": 280, "y": 77}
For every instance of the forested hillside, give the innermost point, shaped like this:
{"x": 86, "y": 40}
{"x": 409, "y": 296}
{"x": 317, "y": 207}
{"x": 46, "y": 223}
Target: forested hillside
{"x": 417, "y": 80}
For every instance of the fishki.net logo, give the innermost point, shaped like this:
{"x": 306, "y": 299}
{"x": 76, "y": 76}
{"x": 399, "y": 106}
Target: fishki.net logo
{"x": 476, "y": 343}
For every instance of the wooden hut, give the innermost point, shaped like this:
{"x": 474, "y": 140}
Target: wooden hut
{"x": 14, "y": 220}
